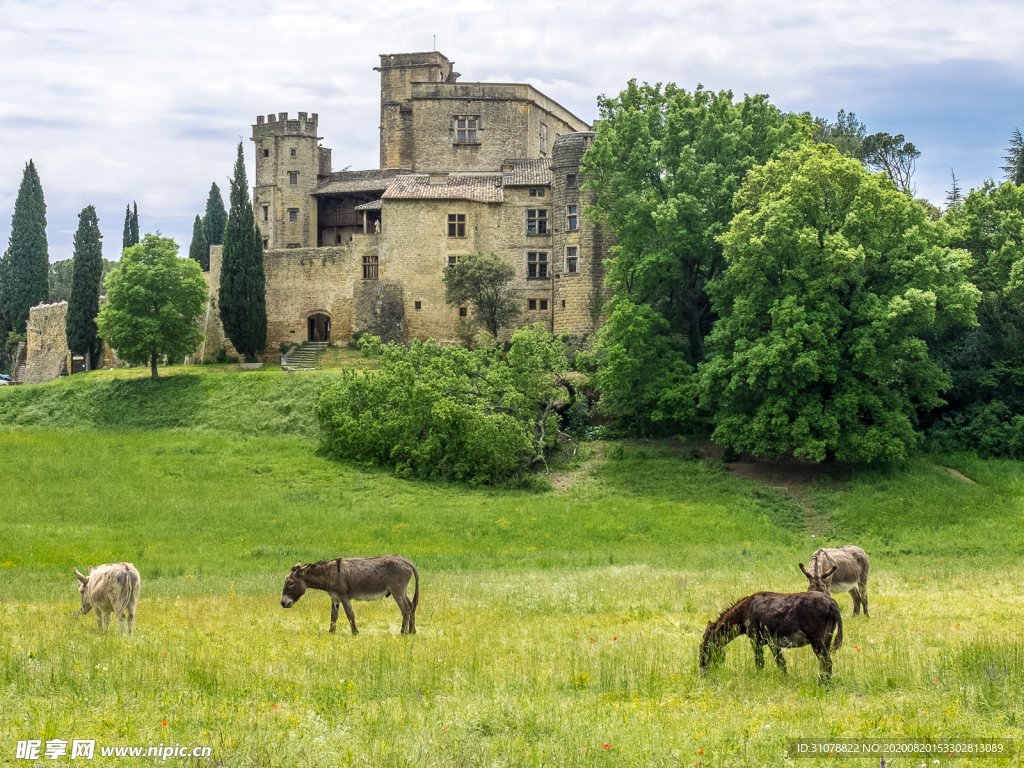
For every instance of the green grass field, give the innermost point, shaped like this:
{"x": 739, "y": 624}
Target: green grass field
{"x": 556, "y": 627}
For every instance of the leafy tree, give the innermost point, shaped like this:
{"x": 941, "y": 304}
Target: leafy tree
{"x": 663, "y": 169}
{"x": 1015, "y": 159}
{"x": 216, "y": 217}
{"x": 84, "y": 303}
{"x": 846, "y": 134}
{"x": 199, "y": 248}
{"x": 986, "y": 362}
{"x": 482, "y": 280}
{"x": 833, "y": 279}
{"x": 892, "y": 154}
{"x": 59, "y": 278}
{"x": 154, "y": 303}
{"x": 26, "y": 271}
{"x": 481, "y": 415}
{"x": 243, "y": 302}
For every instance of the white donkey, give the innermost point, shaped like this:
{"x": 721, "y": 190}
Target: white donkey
{"x": 111, "y": 589}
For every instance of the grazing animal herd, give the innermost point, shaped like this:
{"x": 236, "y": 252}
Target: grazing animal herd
{"x": 773, "y": 619}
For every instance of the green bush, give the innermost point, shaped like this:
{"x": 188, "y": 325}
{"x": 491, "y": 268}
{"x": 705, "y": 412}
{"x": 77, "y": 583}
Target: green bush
{"x": 990, "y": 430}
{"x": 480, "y": 416}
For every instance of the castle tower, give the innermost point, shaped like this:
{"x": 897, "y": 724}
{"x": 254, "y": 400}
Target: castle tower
{"x": 289, "y": 165}
{"x": 579, "y": 246}
{"x": 397, "y": 74}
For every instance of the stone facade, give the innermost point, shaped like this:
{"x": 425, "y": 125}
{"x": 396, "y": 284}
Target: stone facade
{"x": 48, "y": 357}
{"x": 464, "y": 167}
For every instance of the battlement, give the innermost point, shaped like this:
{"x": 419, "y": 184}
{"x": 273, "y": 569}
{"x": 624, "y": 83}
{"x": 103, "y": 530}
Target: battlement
{"x": 280, "y": 125}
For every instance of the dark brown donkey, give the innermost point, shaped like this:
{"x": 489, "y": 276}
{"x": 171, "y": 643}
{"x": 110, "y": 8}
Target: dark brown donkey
{"x": 360, "y": 578}
{"x": 778, "y": 621}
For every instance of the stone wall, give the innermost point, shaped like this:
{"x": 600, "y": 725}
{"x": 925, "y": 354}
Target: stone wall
{"x": 48, "y": 356}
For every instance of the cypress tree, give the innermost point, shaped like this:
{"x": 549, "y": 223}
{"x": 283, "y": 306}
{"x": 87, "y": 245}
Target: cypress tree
{"x": 243, "y": 301}
{"x": 199, "y": 249}
{"x": 126, "y": 234}
{"x": 26, "y": 272}
{"x": 135, "y": 224}
{"x": 216, "y": 217}
{"x": 84, "y": 304}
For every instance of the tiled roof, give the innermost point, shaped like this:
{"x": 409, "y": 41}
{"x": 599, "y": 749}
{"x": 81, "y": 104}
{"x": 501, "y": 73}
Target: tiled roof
{"x": 373, "y": 205}
{"x": 343, "y": 182}
{"x": 527, "y": 173}
{"x": 480, "y": 189}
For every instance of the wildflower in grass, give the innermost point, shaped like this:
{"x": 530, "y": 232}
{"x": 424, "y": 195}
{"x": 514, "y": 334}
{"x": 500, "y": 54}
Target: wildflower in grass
{"x": 856, "y": 648}
{"x": 615, "y": 638}
{"x": 164, "y": 722}
{"x": 936, "y": 681}
{"x": 593, "y": 639}
{"x": 275, "y": 706}
{"x": 607, "y": 746}
{"x": 700, "y": 751}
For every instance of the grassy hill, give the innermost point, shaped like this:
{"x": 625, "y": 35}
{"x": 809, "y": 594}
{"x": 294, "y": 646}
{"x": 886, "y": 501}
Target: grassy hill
{"x": 556, "y": 627}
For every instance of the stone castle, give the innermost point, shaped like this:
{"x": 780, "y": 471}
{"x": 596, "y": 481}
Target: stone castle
{"x": 464, "y": 167}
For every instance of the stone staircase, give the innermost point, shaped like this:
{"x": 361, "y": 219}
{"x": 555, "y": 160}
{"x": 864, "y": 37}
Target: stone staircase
{"x": 20, "y": 361}
{"x": 303, "y": 358}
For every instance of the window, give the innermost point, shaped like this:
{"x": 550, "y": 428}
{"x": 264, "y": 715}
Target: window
{"x": 456, "y": 225}
{"x": 536, "y": 192}
{"x": 418, "y": 305}
{"x": 537, "y": 264}
{"x": 266, "y": 242}
{"x": 371, "y": 266}
{"x": 572, "y": 218}
{"x": 543, "y": 304}
{"x": 543, "y": 138}
{"x": 466, "y": 127}
{"x": 570, "y": 181}
{"x": 462, "y": 312}
{"x": 572, "y": 261}
{"x": 535, "y": 304}
{"x": 293, "y": 214}
{"x": 266, "y": 213}
{"x": 453, "y": 260}
{"x": 293, "y": 177}
{"x": 532, "y": 304}
{"x": 293, "y": 153}
{"x": 266, "y": 153}
{"x": 536, "y": 221}
{"x": 563, "y": 303}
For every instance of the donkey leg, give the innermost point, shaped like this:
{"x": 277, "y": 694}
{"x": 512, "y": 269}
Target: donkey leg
{"x": 821, "y": 650}
{"x": 351, "y": 616}
{"x": 334, "y": 614}
{"x": 855, "y": 594}
{"x": 781, "y": 662}
{"x": 758, "y": 654}
{"x": 864, "y": 597}
{"x": 405, "y": 606}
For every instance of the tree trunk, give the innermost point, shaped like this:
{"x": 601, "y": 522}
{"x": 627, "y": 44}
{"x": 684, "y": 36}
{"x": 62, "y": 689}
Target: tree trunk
{"x": 152, "y": 365}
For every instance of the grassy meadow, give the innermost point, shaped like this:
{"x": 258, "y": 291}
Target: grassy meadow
{"x": 557, "y": 626}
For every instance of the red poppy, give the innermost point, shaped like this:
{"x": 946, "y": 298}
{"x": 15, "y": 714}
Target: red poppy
{"x": 700, "y": 751}
{"x": 607, "y": 746}
{"x": 936, "y": 681}
{"x": 275, "y": 706}
{"x": 615, "y": 638}
{"x": 164, "y": 722}
{"x": 593, "y": 639}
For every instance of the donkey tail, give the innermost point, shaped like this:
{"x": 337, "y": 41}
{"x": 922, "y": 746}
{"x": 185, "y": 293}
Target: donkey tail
{"x": 838, "y": 621}
{"x": 416, "y": 591}
{"x": 130, "y": 594}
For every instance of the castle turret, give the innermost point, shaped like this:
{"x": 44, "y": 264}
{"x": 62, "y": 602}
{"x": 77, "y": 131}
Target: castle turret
{"x": 397, "y": 74}
{"x": 289, "y": 165}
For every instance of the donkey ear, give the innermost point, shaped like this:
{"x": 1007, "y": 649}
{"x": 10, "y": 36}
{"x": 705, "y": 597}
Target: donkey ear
{"x": 91, "y": 569}
{"x": 81, "y": 578}
{"x": 297, "y": 566}
{"x": 804, "y": 571}
{"x": 829, "y": 572}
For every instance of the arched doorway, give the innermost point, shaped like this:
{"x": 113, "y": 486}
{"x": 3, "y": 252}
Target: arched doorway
{"x": 318, "y": 327}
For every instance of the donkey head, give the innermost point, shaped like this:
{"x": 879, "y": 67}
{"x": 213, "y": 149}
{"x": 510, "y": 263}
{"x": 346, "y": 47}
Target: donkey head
{"x": 820, "y": 583}
{"x": 711, "y": 651}
{"x": 83, "y": 588}
{"x": 294, "y": 586}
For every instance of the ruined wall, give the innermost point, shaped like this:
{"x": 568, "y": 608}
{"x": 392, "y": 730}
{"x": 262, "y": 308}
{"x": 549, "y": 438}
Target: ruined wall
{"x": 47, "y": 343}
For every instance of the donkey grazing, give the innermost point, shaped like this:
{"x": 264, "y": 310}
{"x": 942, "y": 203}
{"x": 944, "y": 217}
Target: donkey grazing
{"x": 838, "y": 570}
{"x": 111, "y": 589}
{"x": 360, "y": 578}
{"x": 778, "y": 621}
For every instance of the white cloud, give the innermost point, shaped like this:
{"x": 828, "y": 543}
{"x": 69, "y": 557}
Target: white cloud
{"x": 122, "y": 101}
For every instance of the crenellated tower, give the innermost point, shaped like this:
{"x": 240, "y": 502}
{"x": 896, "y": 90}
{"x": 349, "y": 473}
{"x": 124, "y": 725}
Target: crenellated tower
{"x": 289, "y": 164}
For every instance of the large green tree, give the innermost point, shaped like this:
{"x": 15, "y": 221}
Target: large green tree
{"x": 199, "y": 248}
{"x": 84, "y": 303}
{"x": 987, "y": 362}
{"x": 26, "y": 269}
{"x": 834, "y": 279}
{"x": 216, "y": 217}
{"x": 846, "y": 134}
{"x": 154, "y": 303}
{"x": 663, "y": 170}
{"x": 243, "y": 301}
{"x": 893, "y": 155}
{"x": 482, "y": 280}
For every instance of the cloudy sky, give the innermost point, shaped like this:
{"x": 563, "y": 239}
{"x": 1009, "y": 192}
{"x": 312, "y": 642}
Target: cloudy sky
{"x": 146, "y": 101}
